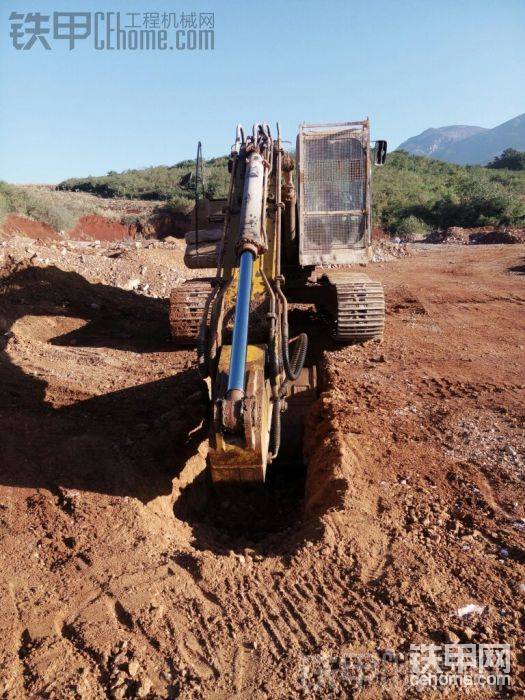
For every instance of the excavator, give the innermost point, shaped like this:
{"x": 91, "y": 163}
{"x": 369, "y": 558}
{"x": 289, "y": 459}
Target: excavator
{"x": 293, "y": 228}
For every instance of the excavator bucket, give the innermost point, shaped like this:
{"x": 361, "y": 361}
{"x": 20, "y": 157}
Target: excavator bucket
{"x": 241, "y": 454}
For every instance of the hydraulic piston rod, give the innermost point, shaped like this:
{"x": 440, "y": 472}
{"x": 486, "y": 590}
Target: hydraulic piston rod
{"x": 250, "y": 243}
{"x": 240, "y": 327}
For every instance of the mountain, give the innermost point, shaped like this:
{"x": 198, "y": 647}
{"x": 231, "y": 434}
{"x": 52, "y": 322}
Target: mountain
{"x": 468, "y": 145}
{"x": 431, "y": 141}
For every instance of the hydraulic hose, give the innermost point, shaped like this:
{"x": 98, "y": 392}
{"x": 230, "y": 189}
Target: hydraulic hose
{"x": 294, "y": 366}
{"x": 276, "y": 429}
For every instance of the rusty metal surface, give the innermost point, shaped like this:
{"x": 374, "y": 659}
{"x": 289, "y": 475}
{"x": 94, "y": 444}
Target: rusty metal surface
{"x": 187, "y": 304}
{"x": 242, "y": 455}
{"x": 205, "y": 256}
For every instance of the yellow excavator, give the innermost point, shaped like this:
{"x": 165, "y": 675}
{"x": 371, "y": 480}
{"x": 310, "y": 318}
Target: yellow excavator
{"x": 292, "y": 229}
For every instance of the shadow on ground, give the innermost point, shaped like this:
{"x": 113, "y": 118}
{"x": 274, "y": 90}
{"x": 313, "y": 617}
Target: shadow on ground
{"x": 130, "y": 442}
{"x": 135, "y": 441}
{"x": 518, "y": 269}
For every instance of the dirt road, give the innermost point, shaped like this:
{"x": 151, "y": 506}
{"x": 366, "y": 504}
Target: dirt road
{"x": 122, "y": 575}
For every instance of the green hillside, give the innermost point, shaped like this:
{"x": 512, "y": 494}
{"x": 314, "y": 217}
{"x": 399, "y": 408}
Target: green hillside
{"x": 410, "y": 194}
{"x": 173, "y": 183}
{"x": 440, "y": 194}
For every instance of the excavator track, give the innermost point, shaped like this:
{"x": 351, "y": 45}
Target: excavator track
{"x": 187, "y": 305}
{"x": 357, "y": 310}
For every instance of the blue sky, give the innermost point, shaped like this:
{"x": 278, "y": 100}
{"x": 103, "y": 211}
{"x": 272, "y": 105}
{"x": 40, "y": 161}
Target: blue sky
{"x": 407, "y": 64}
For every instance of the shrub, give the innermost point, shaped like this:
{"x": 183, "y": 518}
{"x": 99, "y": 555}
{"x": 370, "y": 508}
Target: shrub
{"x": 411, "y": 228}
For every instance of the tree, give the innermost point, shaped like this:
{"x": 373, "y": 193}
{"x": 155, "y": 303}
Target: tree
{"x": 510, "y": 159}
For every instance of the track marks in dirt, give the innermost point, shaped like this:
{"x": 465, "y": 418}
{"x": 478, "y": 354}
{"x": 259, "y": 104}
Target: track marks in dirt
{"x": 94, "y": 659}
{"x": 445, "y": 388}
{"x": 13, "y": 671}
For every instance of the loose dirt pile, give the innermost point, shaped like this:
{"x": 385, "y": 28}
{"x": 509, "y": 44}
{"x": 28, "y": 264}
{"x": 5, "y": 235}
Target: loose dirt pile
{"x": 149, "y": 266}
{"x": 124, "y": 575}
{"x": 475, "y": 236}
{"x": 383, "y": 250}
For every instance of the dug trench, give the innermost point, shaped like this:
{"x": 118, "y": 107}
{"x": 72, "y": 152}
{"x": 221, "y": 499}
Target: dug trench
{"x": 269, "y": 517}
{"x": 123, "y": 576}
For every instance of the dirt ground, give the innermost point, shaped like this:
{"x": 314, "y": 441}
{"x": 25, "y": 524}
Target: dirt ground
{"x": 123, "y": 574}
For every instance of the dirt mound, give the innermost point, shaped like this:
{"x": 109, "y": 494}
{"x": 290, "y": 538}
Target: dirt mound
{"x": 476, "y": 236}
{"x": 499, "y": 236}
{"x": 16, "y": 225}
{"x": 383, "y": 250}
{"x": 125, "y": 574}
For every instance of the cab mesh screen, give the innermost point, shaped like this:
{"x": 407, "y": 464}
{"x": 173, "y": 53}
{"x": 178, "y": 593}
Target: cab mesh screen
{"x": 334, "y": 194}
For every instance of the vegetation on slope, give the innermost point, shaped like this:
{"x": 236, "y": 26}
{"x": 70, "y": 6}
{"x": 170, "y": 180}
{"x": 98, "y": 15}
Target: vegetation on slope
{"x": 510, "y": 159}
{"x": 411, "y": 194}
{"x": 413, "y": 191}
{"x": 175, "y": 184}
{"x": 43, "y": 205}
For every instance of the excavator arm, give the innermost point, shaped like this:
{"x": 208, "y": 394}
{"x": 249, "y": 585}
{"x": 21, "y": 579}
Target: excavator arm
{"x": 245, "y": 350}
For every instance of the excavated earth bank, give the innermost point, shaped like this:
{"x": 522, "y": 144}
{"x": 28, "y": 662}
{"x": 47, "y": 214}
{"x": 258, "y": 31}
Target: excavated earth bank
{"x": 124, "y": 575}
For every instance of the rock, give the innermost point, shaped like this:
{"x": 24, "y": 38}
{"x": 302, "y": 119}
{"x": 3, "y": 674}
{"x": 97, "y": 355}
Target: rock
{"x": 119, "y": 692}
{"x": 470, "y": 609}
{"x": 469, "y": 634}
{"x": 120, "y": 659}
{"x": 144, "y": 688}
{"x": 131, "y": 284}
{"x": 133, "y": 668}
{"x": 451, "y": 637}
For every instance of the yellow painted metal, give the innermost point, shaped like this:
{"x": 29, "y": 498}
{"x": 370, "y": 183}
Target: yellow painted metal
{"x": 242, "y": 456}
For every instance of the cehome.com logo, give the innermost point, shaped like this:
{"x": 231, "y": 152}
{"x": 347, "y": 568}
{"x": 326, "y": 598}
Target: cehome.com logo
{"x": 114, "y": 31}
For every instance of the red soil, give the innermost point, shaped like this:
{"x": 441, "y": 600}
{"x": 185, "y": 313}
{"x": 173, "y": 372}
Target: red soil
{"x": 99, "y": 228}
{"x": 16, "y": 225}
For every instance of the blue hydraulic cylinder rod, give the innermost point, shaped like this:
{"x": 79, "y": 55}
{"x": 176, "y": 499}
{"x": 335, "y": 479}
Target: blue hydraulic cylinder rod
{"x": 240, "y": 326}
